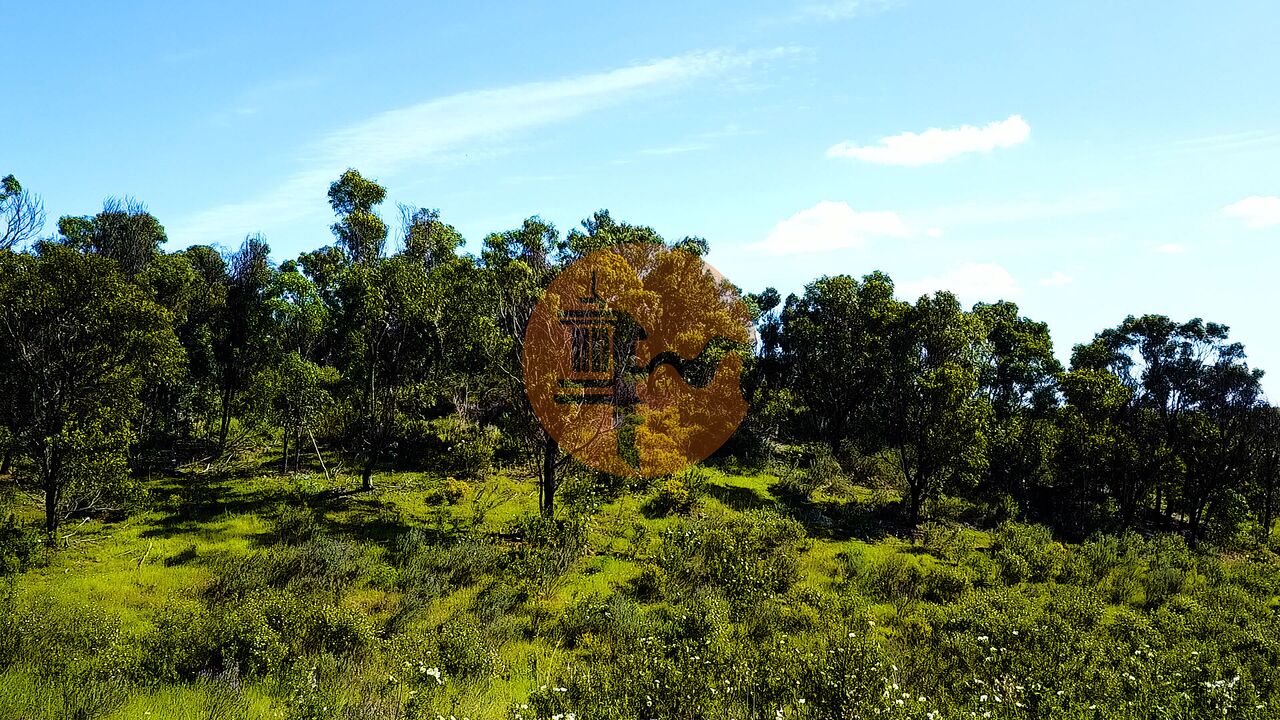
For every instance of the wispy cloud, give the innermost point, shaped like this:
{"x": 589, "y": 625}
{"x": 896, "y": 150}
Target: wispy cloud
{"x": 1255, "y": 211}
{"x": 1170, "y": 249}
{"x": 937, "y": 145}
{"x": 829, "y": 226}
{"x": 841, "y": 9}
{"x": 675, "y": 149}
{"x": 1019, "y": 210}
{"x": 1224, "y": 142}
{"x": 411, "y": 136}
{"x": 1056, "y": 279}
{"x": 970, "y": 282}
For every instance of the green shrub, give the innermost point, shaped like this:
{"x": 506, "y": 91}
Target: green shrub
{"x": 671, "y": 496}
{"x": 648, "y": 585}
{"x": 323, "y": 564}
{"x": 549, "y": 547}
{"x": 296, "y": 523}
{"x": 20, "y": 545}
{"x": 811, "y": 468}
{"x": 895, "y": 577}
{"x": 948, "y": 542}
{"x": 428, "y": 568}
{"x": 745, "y": 554}
{"x": 1028, "y": 552}
{"x": 945, "y": 583}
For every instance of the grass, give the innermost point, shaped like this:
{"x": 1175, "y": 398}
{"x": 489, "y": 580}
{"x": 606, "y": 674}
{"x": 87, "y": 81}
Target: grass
{"x": 524, "y": 637}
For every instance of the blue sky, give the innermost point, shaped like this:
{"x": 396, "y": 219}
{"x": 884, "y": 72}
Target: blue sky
{"x": 1087, "y": 161}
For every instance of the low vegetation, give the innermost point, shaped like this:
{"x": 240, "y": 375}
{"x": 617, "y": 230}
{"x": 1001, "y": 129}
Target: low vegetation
{"x": 248, "y": 594}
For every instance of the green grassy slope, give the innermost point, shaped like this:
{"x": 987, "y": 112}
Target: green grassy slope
{"x": 249, "y": 594}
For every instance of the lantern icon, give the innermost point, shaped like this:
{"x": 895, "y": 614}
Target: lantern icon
{"x": 597, "y": 353}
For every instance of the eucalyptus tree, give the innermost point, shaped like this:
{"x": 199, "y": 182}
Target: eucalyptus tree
{"x": 520, "y": 264}
{"x": 21, "y": 213}
{"x": 251, "y": 341}
{"x": 404, "y": 327}
{"x": 78, "y": 342}
{"x": 835, "y": 339}
{"x": 934, "y": 419}
{"x": 1018, "y": 376}
{"x": 1193, "y": 383}
{"x": 124, "y": 231}
{"x": 1267, "y": 469}
{"x": 891, "y": 376}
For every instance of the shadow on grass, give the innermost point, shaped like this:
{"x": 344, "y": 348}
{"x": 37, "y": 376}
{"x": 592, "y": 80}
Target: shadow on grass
{"x": 203, "y": 499}
{"x": 840, "y": 520}
{"x": 736, "y": 497}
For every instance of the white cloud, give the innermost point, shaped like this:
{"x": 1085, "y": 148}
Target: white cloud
{"x": 829, "y": 226}
{"x": 937, "y": 145}
{"x": 1170, "y": 249}
{"x": 1056, "y": 279}
{"x": 970, "y": 282}
{"x": 675, "y": 149}
{"x": 934, "y": 232}
{"x": 1024, "y": 210}
{"x": 1256, "y": 211}
{"x": 841, "y": 9}
{"x": 476, "y": 121}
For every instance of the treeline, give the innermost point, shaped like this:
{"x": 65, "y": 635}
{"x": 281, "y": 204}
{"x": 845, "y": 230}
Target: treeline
{"x": 117, "y": 358}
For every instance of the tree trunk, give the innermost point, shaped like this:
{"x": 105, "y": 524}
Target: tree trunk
{"x": 7, "y": 464}
{"x": 284, "y": 456}
{"x": 547, "y": 479}
{"x": 225, "y": 427}
{"x": 366, "y": 475}
{"x": 917, "y": 490}
{"x": 51, "y": 511}
{"x": 1267, "y": 510}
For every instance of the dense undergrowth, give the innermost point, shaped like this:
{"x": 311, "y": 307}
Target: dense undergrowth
{"x": 713, "y": 595}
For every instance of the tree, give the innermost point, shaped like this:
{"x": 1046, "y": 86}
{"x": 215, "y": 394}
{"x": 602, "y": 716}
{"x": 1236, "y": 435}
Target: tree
{"x": 1018, "y": 377}
{"x": 1193, "y": 383}
{"x": 124, "y": 231}
{"x": 21, "y": 213}
{"x": 251, "y": 342}
{"x": 405, "y": 327}
{"x": 520, "y": 264}
{"x": 203, "y": 334}
{"x": 78, "y": 341}
{"x": 1267, "y": 469}
{"x": 360, "y": 231}
{"x": 836, "y": 341}
{"x": 887, "y": 375}
{"x": 299, "y": 392}
{"x": 933, "y": 417}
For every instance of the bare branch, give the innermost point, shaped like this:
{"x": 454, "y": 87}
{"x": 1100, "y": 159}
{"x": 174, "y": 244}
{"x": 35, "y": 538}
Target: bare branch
{"x": 21, "y": 212}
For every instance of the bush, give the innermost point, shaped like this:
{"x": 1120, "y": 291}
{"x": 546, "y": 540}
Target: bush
{"x": 948, "y": 542}
{"x": 452, "y": 444}
{"x": 19, "y": 546}
{"x": 296, "y": 523}
{"x": 744, "y": 555}
{"x": 1028, "y": 552}
{"x": 322, "y": 565}
{"x": 430, "y": 570}
{"x": 811, "y": 469}
{"x": 945, "y": 584}
{"x": 894, "y": 577}
{"x": 672, "y": 496}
